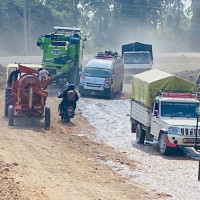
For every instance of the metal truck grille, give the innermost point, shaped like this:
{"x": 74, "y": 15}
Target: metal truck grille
{"x": 187, "y": 131}
{"x": 94, "y": 85}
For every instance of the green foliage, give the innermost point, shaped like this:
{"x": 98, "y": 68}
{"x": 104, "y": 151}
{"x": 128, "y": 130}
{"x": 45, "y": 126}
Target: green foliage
{"x": 107, "y": 23}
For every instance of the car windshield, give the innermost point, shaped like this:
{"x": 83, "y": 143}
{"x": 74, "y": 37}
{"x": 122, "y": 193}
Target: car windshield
{"x": 179, "y": 109}
{"x": 97, "y": 72}
{"x": 136, "y": 58}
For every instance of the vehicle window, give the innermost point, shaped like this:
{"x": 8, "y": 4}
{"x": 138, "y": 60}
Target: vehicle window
{"x": 97, "y": 72}
{"x": 156, "y": 106}
{"x": 136, "y": 58}
{"x": 179, "y": 109}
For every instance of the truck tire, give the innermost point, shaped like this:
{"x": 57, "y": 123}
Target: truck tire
{"x": 10, "y": 115}
{"x": 140, "y": 134}
{"x": 67, "y": 119}
{"x": 164, "y": 149}
{"x": 47, "y": 117}
{"x": 133, "y": 127}
{"x": 8, "y": 101}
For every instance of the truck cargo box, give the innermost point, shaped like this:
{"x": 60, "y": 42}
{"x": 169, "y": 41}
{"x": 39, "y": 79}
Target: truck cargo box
{"x": 146, "y": 85}
{"x": 137, "y": 46}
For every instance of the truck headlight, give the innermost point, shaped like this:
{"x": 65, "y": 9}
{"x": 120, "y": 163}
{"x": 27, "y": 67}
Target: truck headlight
{"x": 174, "y": 130}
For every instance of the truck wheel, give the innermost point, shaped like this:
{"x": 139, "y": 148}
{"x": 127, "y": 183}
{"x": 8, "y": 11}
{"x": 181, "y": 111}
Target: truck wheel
{"x": 8, "y": 101}
{"x": 164, "y": 149}
{"x": 133, "y": 128}
{"x": 140, "y": 134}
{"x": 67, "y": 119}
{"x": 47, "y": 117}
{"x": 10, "y": 115}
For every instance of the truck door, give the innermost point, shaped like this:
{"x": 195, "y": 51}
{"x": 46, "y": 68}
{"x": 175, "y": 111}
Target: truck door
{"x": 155, "y": 120}
{"x": 114, "y": 80}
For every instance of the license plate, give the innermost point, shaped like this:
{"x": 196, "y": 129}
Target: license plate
{"x": 93, "y": 93}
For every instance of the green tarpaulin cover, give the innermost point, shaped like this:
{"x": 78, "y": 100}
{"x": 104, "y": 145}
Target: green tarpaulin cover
{"x": 146, "y": 85}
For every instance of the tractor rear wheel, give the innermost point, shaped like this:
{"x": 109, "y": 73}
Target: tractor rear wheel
{"x": 47, "y": 117}
{"x": 8, "y": 101}
{"x": 10, "y": 115}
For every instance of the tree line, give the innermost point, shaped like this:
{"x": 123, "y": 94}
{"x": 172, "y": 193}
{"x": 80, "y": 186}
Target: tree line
{"x": 107, "y": 23}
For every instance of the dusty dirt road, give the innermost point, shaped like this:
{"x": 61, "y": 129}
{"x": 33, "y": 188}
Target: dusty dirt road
{"x": 61, "y": 163}
{"x": 94, "y": 157}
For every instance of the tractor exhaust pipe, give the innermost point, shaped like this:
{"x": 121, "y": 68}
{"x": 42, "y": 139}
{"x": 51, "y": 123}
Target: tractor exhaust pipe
{"x": 30, "y": 102}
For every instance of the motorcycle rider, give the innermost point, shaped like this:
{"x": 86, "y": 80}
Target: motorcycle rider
{"x": 70, "y": 97}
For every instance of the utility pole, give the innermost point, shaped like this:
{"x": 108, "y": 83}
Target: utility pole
{"x": 25, "y": 30}
{"x": 75, "y": 12}
{"x": 29, "y": 28}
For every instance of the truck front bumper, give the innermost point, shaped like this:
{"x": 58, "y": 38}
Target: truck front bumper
{"x": 178, "y": 140}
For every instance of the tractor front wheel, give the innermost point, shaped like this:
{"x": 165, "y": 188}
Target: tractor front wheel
{"x": 47, "y": 117}
{"x": 10, "y": 115}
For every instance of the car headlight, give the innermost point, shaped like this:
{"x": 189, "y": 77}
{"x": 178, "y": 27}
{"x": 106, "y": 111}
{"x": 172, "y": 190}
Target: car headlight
{"x": 174, "y": 130}
{"x": 107, "y": 84}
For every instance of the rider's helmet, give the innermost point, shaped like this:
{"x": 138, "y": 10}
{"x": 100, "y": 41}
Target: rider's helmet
{"x": 71, "y": 87}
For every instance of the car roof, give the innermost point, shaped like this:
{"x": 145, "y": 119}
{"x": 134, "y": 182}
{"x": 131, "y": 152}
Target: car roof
{"x": 135, "y": 52}
{"x": 100, "y": 63}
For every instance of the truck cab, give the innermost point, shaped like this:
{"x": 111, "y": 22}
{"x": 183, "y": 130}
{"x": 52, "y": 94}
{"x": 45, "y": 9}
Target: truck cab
{"x": 174, "y": 117}
{"x": 137, "y": 58}
{"x": 136, "y": 62}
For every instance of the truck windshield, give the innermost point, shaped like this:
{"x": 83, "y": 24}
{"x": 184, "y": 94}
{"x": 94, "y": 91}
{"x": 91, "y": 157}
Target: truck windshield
{"x": 179, "y": 109}
{"x": 97, "y": 72}
{"x": 136, "y": 58}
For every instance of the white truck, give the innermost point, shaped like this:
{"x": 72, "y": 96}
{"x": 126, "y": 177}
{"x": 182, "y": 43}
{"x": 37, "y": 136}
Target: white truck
{"x": 137, "y": 58}
{"x": 164, "y": 108}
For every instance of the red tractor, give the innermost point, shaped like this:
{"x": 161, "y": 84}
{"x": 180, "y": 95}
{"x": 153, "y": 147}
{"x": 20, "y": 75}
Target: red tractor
{"x": 28, "y": 94}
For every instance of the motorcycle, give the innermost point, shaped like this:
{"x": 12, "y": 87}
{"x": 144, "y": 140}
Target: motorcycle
{"x": 67, "y": 112}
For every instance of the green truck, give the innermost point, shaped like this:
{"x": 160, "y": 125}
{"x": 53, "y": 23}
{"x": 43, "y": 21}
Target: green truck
{"x": 62, "y": 53}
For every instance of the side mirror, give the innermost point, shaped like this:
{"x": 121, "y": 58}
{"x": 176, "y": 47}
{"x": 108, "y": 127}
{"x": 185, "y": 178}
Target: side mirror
{"x": 198, "y": 119}
{"x": 113, "y": 76}
{"x": 156, "y": 112}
